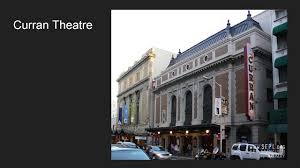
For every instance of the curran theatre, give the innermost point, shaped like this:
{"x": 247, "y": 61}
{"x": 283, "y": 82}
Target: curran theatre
{"x": 221, "y": 82}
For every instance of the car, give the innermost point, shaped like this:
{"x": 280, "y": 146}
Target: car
{"x": 128, "y": 144}
{"x": 158, "y": 153}
{"x": 122, "y": 153}
{"x": 245, "y": 151}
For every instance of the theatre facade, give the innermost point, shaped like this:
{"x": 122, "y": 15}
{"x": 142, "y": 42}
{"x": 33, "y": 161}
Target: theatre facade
{"x": 184, "y": 93}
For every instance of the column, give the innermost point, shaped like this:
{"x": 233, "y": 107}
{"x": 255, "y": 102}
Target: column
{"x": 231, "y": 139}
{"x": 255, "y": 134}
{"x": 169, "y": 108}
{"x": 200, "y": 102}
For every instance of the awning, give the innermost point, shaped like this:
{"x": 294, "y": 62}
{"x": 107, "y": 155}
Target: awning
{"x": 278, "y": 116}
{"x": 212, "y": 127}
{"x": 281, "y": 61}
{"x": 280, "y": 28}
{"x": 281, "y": 95}
{"x": 278, "y": 128}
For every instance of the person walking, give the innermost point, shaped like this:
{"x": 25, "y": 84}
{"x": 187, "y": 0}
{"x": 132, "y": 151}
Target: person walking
{"x": 189, "y": 148}
{"x": 176, "y": 148}
{"x": 172, "y": 148}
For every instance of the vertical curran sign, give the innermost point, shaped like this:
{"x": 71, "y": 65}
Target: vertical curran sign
{"x": 249, "y": 81}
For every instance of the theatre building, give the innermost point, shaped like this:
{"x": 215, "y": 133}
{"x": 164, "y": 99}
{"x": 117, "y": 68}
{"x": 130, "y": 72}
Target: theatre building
{"x": 134, "y": 95}
{"x": 185, "y": 92}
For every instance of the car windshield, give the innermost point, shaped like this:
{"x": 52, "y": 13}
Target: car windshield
{"x": 129, "y": 155}
{"x": 158, "y": 148}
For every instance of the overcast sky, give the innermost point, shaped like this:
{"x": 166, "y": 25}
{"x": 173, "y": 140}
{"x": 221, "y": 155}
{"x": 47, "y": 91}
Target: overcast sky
{"x": 133, "y": 32}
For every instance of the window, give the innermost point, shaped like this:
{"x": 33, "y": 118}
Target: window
{"x": 130, "y": 81}
{"x": 243, "y": 147}
{"x": 282, "y": 74}
{"x": 280, "y": 13}
{"x": 124, "y": 84}
{"x": 251, "y": 148}
{"x": 187, "y": 66}
{"x": 145, "y": 70}
{"x": 137, "y": 76}
{"x": 205, "y": 58}
{"x": 269, "y": 95}
{"x": 282, "y": 103}
{"x": 235, "y": 147}
{"x": 269, "y": 74}
{"x": 282, "y": 41}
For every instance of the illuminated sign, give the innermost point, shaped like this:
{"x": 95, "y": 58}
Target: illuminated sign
{"x": 249, "y": 81}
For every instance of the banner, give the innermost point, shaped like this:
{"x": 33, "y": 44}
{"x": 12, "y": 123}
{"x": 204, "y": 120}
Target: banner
{"x": 218, "y": 104}
{"x": 249, "y": 81}
{"x": 125, "y": 114}
{"x": 120, "y": 116}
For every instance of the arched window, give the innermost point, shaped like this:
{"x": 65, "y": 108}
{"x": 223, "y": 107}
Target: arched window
{"x": 207, "y": 104}
{"x": 188, "y": 108}
{"x": 173, "y": 111}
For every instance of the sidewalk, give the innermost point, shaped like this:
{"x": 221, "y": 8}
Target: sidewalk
{"x": 176, "y": 157}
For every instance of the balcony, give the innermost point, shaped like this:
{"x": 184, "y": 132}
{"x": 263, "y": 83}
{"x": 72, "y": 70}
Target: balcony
{"x": 278, "y": 116}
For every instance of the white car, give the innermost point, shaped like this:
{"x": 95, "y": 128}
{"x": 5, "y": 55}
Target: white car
{"x": 128, "y": 144}
{"x": 245, "y": 151}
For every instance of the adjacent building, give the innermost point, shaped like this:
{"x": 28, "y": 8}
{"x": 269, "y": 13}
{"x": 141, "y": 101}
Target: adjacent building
{"x": 114, "y": 115}
{"x": 278, "y": 117}
{"x": 134, "y": 96}
{"x": 184, "y": 94}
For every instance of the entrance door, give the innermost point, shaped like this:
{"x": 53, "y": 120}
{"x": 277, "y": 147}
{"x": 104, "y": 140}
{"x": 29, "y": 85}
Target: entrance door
{"x": 186, "y": 141}
{"x": 206, "y": 142}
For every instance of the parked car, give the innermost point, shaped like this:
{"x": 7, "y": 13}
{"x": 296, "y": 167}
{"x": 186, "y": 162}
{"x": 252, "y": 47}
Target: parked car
{"x": 244, "y": 151}
{"x": 128, "y": 144}
{"x": 158, "y": 153}
{"x": 122, "y": 153}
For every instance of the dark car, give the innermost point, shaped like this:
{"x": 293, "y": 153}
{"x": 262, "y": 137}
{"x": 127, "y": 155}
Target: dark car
{"x": 158, "y": 153}
{"x": 122, "y": 153}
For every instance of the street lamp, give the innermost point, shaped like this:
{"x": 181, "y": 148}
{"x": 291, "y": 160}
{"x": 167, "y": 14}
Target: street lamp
{"x": 222, "y": 124}
{"x": 207, "y": 131}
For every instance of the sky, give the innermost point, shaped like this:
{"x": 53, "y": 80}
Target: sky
{"x": 133, "y": 32}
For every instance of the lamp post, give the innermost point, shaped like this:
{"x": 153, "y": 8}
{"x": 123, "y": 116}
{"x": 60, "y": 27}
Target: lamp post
{"x": 222, "y": 124}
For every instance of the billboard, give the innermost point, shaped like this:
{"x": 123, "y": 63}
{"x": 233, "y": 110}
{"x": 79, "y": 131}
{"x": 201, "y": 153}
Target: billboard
{"x": 249, "y": 81}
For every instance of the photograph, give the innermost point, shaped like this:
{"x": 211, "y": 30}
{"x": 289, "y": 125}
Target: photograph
{"x": 199, "y": 84}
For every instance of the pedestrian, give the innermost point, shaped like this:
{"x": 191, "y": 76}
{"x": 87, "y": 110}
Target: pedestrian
{"x": 172, "y": 148}
{"x": 176, "y": 148}
{"x": 189, "y": 147}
